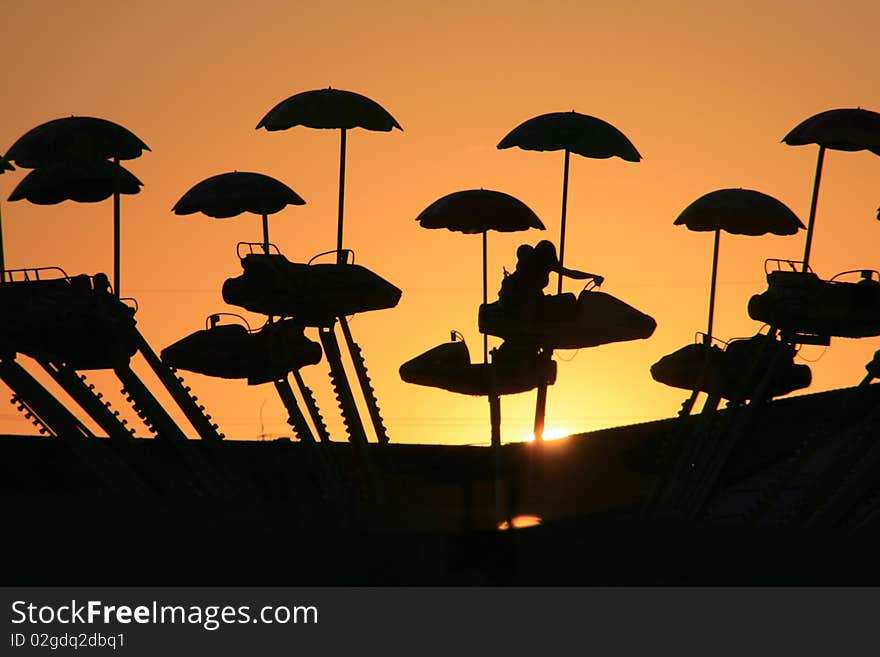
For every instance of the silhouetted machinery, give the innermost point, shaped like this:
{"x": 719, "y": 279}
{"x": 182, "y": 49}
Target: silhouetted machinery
{"x": 563, "y": 321}
{"x": 72, "y": 323}
{"x": 235, "y": 351}
{"x": 315, "y": 294}
{"x": 51, "y": 316}
{"x": 811, "y": 310}
{"x": 531, "y": 332}
{"x": 733, "y": 372}
{"x": 448, "y": 366}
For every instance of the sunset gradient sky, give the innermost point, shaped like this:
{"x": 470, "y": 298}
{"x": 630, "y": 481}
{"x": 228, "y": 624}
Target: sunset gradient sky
{"x": 704, "y": 90}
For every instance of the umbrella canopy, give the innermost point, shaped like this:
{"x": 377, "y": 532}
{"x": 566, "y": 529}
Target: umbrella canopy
{"x": 837, "y": 129}
{"x": 331, "y": 109}
{"x": 230, "y": 194}
{"x": 473, "y": 211}
{"x": 82, "y": 138}
{"x": 573, "y": 133}
{"x": 739, "y": 212}
{"x": 83, "y": 183}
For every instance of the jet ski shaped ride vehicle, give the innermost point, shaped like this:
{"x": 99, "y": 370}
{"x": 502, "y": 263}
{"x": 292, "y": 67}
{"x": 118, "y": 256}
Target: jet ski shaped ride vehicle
{"x": 312, "y": 293}
{"x": 710, "y": 369}
{"x": 798, "y": 302}
{"x": 563, "y": 321}
{"x": 448, "y": 366}
{"x": 234, "y": 351}
{"x": 560, "y": 321}
{"x": 75, "y": 320}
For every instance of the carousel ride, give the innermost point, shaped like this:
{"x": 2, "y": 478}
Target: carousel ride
{"x": 72, "y": 324}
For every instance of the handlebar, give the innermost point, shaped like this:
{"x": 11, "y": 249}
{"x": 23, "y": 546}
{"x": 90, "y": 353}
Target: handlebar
{"x": 348, "y": 253}
{"x": 213, "y": 319}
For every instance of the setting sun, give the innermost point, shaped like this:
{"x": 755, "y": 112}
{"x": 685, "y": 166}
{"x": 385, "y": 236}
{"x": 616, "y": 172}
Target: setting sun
{"x": 550, "y": 433}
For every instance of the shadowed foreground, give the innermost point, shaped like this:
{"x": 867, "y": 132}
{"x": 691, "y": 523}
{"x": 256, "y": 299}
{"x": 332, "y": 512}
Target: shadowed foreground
{"x": 436, "y": 525}
{"x": 240, "y": 545}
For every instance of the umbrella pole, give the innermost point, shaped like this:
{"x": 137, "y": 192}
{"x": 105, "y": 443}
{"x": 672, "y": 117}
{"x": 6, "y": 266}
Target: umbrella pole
{"x": 538, "y": 434}
{"x": 540, "y": 410}
{"x": 3, "y": 259}
{"x": 495, "y": 422}
{"x": 816, "y": 180}
{"x": 485, "y": 301}
{"x": 562, "y": 227}
{"x": 340, "y": 258}
{"x": 712, "y": 284}
{"x": 116, "y": 226}
{"x": 265, "y": 234}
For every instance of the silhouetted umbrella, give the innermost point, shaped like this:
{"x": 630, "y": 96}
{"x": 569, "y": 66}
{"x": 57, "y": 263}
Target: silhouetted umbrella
{"x": 330, "y": 109}
{"x": 82, "y": 182}
{"x": 230, "y": 194}
{"x": 90, "y": 182}
{"x": 573, "y": 133}
{"x": 840, "y": 130}
{"x": 4, "y": 167}
{"x": 739, "y": 212}
{"x": 82, "y": 138}
{"x": 79, "y": 139}
{"x": 473, "y": 211}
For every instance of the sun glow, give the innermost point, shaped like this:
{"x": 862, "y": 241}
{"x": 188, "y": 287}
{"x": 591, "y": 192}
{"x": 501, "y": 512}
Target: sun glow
{"x": 550, "y": 433}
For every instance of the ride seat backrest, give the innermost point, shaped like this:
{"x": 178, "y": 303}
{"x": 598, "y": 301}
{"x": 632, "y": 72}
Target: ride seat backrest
{"x": 559, "y": 306}
{"x": 227, "y": 331}
{"x": 262, "y": 268}
{"x": 264, "y": 259}
{"x": 744, "y": 350}
{"x": 783, "y": 278}
{"x": 19, "y": 293}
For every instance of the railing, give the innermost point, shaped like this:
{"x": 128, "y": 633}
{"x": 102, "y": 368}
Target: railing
{"x": 700, "y": 338}
{"x": 781, "y": 264}
{"x": 33, "y": 274}
{"x": 249, "y": 248}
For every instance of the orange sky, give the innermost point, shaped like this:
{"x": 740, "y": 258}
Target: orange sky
{"x": 705, "y": 93}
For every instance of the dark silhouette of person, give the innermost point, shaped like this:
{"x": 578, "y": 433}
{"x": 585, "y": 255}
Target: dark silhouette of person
{"x": 522, "y": 294}
{"x": 81, "y": 284}
{"x": 101, "y": 283}
{"x": 523, "y": 290}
